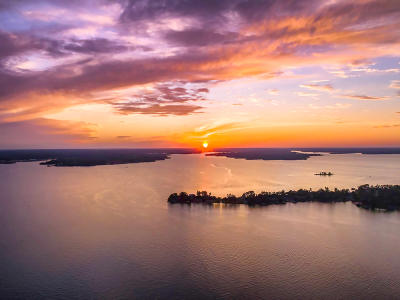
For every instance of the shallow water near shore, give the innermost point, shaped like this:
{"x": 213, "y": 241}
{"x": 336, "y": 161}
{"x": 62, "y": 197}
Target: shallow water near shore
{"x": 108, "y": 232}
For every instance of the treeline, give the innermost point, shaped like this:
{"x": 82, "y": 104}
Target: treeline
{"x": 385, "y": 197}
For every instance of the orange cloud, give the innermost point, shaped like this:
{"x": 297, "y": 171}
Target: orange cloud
{"x": 318, "y": 87}
{"x": 44, "y": 133}
{"x": 388, "y": 126}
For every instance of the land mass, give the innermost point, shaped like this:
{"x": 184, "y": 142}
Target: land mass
{"x": 293, "y": 153}
{"x": 94, "y": 157}
{"x": 324, "y": 174}
{"x": 89, "y": 157}
{"x": 367, "y": 151}
{"x": 384, "y": 197}
{"x": 262, "y": 153}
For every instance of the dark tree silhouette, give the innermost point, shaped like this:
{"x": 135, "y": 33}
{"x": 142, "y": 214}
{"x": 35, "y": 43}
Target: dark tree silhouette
{"x": 386, "y": 197}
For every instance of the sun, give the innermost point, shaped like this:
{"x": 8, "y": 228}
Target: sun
{"x": 205, "y": 145}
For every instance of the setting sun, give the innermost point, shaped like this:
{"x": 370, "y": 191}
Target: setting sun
{"x": 205, "y": 145}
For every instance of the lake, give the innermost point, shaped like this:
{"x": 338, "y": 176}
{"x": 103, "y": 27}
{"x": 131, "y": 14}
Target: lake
{"x": 107, "y": 232}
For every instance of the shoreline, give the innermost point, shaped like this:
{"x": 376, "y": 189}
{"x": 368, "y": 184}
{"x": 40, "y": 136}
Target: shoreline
{"x": 95, "y": 157}
{"x": 374, "y": 197}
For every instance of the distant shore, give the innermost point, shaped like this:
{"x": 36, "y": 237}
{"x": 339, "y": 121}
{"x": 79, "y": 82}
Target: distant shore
{"x": 294, "y": 153}
{"x": 89, "y": 157}
{"x": 95, "y": 157}
{"x": 383, "y": 197}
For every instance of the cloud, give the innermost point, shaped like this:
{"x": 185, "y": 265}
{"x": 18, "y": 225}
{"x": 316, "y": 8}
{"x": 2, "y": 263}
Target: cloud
{"x": 340, "y": 73}
{"x": 11, "y": 44}
{"x": 206, "y": 131}
{"x": 366, "y": 98}
{"x": 123, "y": 136}
{"x": 303, "y": 94}
{"x": 200, "y": 37}
{"x": 218, "y": 12}
{"x": 151, "y": 42}
{"x": 214, "y": 132}
{"x": 145, "y": 10}
{"x": 318, "y": 87}
{"x": 14, "y": 44}
{"x": 339, "y": 106}
{"x": 84, "y": 78}
{"x": 95, "y": 45}
{"x": 43, "y": 132}
{"x": 388, "y": 126}
{"x": 162, "y": 100}
{"x": 34, "y": 105}
{"x": 373, "y": 70}
{"x": 273, "y": 91}
{"x": 395, "y": 84}
{"x": 157, "y": 109}
{"x": 335, "y": 106}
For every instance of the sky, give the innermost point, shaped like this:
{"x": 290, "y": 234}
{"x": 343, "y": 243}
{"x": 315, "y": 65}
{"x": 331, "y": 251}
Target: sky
{"x": 177, "y": 73}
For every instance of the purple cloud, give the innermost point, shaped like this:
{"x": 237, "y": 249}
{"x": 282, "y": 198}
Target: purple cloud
{"x": 366, "y": 98}
{"x": 162, "y": 101}
{"x": 157, "y": 109}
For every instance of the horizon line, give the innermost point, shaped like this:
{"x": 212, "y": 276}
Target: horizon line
{"x": 149, "y": 148}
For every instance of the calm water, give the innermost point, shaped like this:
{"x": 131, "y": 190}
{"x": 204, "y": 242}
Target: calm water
{"x": 107, "y": 232}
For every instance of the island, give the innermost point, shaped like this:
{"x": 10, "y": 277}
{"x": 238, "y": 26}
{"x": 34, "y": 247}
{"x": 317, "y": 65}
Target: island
{"x": 324, "y": 174}
{"x": 383, "y": 197}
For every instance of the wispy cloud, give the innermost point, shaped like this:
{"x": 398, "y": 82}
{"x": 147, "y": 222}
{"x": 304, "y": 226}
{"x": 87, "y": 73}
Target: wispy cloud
{"x": 358, "y": 70}
{"x": 339, "y": 106}
{"x": 303, "y": 94}
{"x": 157, "y": 109}
{"x": 318, "y": 87}
{"x": 273, "y": 91}
{"x": 215, "y": 128}
{"x": 334, "y": 106}
{"x": 366, "y": 98}
{"x": 395, "y": 84}
{"x": 340, "y": 73}
{"x": 387, "y": 126}
{"x": 41, "y": 131}
{"x": 165, "y": 99}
